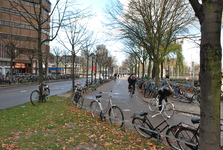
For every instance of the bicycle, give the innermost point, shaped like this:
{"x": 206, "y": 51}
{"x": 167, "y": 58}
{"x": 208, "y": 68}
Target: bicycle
{"x": 190, "y": 135}
{"x": 91, "y": 87}
{"x": 131, "y": 91}
{"x": 145, "y": 128}
{"x": 114, "y": 112}
{"x": 36, "y": 98}
{"x": 77, "y": 97}
{"x": 187, "y": 98}
{"x": 168, "y": 108}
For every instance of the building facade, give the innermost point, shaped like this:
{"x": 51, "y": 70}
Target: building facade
{"x": 18, "y": 39}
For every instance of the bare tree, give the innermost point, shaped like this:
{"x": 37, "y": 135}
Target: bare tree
{"x": 152, "y": 24}
{"x": 75, "y": 28}
{"x": 11, "y": 48}
{"x": 30, "y": 51}
{"x": 38, "y": 20}
{"x": 47, "y": 56}
{"x": 66, "y": 60}
{"x": 57, "y": 51}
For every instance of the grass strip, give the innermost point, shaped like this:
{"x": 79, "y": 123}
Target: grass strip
{"x": 57, "y": 124}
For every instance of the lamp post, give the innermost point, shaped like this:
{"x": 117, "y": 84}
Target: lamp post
{"x": 169, "y": 67}
{"x": 92, "y": 58}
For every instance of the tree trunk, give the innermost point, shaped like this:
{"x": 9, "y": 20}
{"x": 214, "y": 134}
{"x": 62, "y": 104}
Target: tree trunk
{"x": 156, "y": 70}
{"x": 161, "y": 74}
{"x": 210, "y": 73}
{"x": 149, "y": 69}
{"x": 87, "y": 70}
{"x": 209, "y": 14}
{"x": 11, "y": 64}
{"x": 153, "y": 71}
{"x": 31, "y": 66}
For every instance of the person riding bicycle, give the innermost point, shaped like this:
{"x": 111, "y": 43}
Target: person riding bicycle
{"x": 132, "y": 81}
{"x": 115, "y": 75}
{"x": 164, "y": 90}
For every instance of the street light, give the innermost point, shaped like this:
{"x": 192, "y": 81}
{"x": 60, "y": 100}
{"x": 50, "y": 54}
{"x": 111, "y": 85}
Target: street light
{"x": 92, "y": 57}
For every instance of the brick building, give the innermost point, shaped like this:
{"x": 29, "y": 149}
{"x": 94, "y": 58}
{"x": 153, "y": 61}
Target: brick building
{"x": 16, "y": 33}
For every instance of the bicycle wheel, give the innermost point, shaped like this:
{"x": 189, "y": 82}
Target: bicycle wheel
{"x": 95, "y": 108}
{"x": 169, "y": 110}
{"x": 72, "y": 98}
{"x": 196, "y": 99}
{"x": 81, "y": 101}
{"x": 138, "y": 122}
{"x": 172, "y": 133}
{"x": 187, "y": 135}
{"x": 153, "y": 104}
{"x": 35, "y": 98}
{"x": 130, "y": 92}
{"x": 117, "y": 117}
{"x": 47, "y": 94}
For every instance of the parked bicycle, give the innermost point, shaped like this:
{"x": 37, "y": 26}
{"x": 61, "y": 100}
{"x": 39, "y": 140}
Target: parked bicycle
{"x": 77, "y": 97}
{"x": 114, "y": 112}
{"x": 189, "y": 135}
{"x": 168, "y": 108}
{"x": 145, "y": 128}
{"x": 36, "y": 98}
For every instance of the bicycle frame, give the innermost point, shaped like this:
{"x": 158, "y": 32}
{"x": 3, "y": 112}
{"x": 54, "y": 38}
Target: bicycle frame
{"x": 154, "y": 130}
{"x": 109, "y": 105}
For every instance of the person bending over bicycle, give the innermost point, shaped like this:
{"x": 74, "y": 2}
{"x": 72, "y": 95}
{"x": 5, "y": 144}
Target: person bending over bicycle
{"x": 164, "y": 90}
{"x": 132, "y": 81}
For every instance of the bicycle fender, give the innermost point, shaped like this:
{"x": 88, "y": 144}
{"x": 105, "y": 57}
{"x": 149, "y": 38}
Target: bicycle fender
{"x": 114, "y": 105}
{"x": 94, "y": 101}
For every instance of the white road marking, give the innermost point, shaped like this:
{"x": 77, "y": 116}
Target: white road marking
{"x": 24, "y": 91}
{"x": 126, "y": 109}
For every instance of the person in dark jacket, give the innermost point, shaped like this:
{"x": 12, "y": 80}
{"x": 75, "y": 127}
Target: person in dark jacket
{"x": 164, "y": 90}
{"x": 132, "y": 81}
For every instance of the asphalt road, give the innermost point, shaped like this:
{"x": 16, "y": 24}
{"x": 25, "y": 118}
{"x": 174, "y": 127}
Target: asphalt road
{"x": 10, "y": 97}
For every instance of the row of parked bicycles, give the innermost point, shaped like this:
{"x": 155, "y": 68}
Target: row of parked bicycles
{"x": 28, "y": 78}
{"x": 190, "y": 94}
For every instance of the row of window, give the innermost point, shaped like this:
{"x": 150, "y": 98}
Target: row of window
{"x": 20, "y": 25}
{"x": 14, "y": 12}
{"x": 3, "y": 54}
{"x": 30, "y": 3}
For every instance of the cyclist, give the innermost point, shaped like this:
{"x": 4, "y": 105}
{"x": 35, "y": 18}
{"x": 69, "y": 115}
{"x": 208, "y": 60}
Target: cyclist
{"x": 164, "y": 90}
{"x": 115, "y": 75}
{"x": 132, "y": 81}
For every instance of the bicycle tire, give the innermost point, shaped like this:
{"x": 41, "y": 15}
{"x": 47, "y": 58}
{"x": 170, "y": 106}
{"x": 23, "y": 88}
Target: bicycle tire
{"x": 116, "y": 112}
{"x": 138, "y": 122}
{"x": 153, "y": 104}
{"x": 72, "y": 98}
{"x": 188, "y": 135}
{"x": 81, "y": 101}
{"x": 196, "y": 99}
{"x": 47, "y": 94}
{"x": 172, "y": 133}
{"x": 95, "y": 108}
{"x": 35, "y": 98}
{"x": 169, "y": 110}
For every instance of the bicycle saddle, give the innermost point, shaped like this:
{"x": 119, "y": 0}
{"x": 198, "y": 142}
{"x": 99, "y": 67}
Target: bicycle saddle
{"x": 98, "y": 95}
{"x": 143, "y": 113}
{"x": 195, "y": 120}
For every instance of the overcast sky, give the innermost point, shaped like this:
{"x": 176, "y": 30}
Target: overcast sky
{"x": 191, "y": 51}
